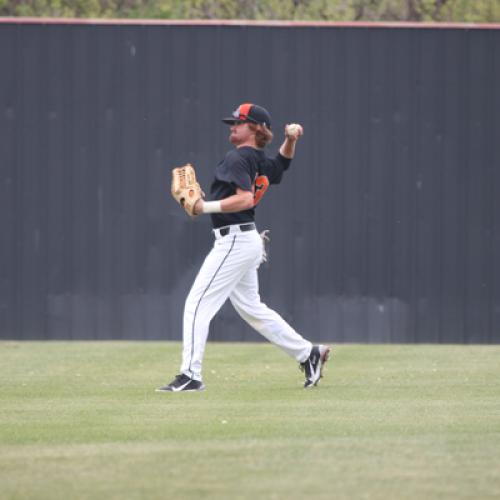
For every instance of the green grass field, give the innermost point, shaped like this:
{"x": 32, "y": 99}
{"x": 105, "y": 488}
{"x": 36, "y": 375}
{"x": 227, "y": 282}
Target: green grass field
{"x": 81, "y": 420}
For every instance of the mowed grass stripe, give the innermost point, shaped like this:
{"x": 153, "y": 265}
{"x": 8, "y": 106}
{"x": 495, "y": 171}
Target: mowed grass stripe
{"x": 82, "y": 420}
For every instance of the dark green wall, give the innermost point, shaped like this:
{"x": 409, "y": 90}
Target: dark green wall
{"x": 386, "y": 228}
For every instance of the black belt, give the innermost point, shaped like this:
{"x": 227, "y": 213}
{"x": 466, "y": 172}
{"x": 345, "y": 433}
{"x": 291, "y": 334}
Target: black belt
{"x": 224, "y": 231}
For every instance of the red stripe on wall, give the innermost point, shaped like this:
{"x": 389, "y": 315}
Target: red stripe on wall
{"x": 230, "y": 22}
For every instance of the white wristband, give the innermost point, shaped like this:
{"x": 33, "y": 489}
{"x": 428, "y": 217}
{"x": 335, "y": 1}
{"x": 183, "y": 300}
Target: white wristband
{"x": 211, "y": 207}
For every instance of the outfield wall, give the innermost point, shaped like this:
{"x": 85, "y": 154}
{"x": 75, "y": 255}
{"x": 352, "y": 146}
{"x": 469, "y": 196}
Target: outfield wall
{"x": 386, "y": 228}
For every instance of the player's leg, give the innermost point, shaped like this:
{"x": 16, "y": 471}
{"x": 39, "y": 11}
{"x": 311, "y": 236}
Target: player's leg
{"x": 223, "y": 268}
{"x": 216, "y": 278}
{"x": 246, "y": 300}
{"x": 213, "y": 284}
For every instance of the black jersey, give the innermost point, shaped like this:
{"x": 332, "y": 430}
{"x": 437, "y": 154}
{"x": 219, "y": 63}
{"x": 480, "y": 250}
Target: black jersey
{"x": 249, "y": 169}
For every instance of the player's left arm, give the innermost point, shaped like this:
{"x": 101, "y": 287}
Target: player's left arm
{"x": 292, "y": 132}
{"x": 241, "y": 200}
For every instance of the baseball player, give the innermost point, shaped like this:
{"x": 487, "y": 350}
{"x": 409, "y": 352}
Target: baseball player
{"x": 230, "y": 269}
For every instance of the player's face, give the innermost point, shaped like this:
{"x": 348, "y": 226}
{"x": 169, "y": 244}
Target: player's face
{"x": 241, "y": 134}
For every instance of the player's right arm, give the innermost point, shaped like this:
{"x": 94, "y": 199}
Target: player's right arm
{"x": 292, "y": 132}
{"x": 276, "y": 166}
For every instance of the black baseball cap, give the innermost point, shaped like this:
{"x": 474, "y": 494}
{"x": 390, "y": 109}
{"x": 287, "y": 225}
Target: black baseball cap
{"x": 250, "y": 113}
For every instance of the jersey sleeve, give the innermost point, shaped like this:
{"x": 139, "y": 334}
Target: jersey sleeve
{"x": 274, "y": 168}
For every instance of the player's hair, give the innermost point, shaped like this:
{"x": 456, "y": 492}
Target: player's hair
{"x": 263, "y": 136}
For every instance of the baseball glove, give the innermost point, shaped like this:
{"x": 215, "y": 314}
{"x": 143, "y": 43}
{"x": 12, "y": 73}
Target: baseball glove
{"x": 185, "y": 189}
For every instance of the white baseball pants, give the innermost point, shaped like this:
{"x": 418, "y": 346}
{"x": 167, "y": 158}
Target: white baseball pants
{"x": 230, "y": 271}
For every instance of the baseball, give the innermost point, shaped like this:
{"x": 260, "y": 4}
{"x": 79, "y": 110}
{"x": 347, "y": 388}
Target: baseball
{"x": 294, "y": 129}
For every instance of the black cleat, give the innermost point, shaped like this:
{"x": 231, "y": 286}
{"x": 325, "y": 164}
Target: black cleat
{"x": 182, "y": 383}
{"x": 313, "y": 366}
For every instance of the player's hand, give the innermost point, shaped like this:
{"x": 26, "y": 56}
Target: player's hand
{"x": 293, "y": 131}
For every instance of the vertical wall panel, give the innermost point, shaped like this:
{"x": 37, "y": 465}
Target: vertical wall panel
{"x": 385, "y": 229}
{"x": 480, "y": 194}
{"x": 494, "y": 305}
{"x": 452, "y": 178}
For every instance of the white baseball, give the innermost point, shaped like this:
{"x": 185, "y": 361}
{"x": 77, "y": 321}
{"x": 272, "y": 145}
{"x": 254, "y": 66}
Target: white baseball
{"x": 293, "y": 129}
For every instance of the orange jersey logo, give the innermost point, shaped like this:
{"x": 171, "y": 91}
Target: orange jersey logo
{"x": 260, "y": 187}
